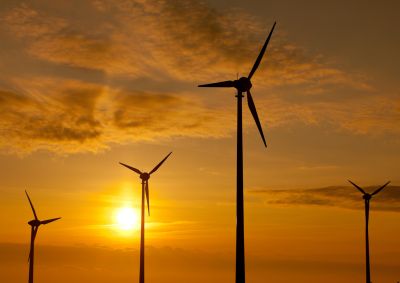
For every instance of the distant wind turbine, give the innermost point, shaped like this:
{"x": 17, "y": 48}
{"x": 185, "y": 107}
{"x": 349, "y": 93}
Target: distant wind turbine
{"x": 145, "y": 190}
{"x": 367, "y": 197}
{"x": 35, "y": 223}
{"x": 242, "y": 85}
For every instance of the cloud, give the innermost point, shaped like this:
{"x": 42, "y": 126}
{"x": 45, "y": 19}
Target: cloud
{"x": 25, "y": 21}
{"x": 173, "y": 43}
{"x": 334, "y": 196}
{"x": 71, "y": 116}
{"x": 184, "y": 40}
{"x": 155, "y": 115}
{"x": 372, "y": 115}
{"x": 58, "y": 115}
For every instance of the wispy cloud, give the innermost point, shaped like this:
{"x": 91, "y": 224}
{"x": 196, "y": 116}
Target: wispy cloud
{"x": 62, "y": 115}
{"x": 71, "y": 116}
{"x": 183, "y": 40}
{"x": 334, "y": 196}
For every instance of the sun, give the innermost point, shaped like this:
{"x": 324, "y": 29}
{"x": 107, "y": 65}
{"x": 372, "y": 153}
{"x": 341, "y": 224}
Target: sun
{"x": 127, "y": 218}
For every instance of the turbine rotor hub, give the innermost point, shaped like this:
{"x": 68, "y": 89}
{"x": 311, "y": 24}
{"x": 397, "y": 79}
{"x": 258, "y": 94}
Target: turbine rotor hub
{"x": 367, "y": 196}
{"x": 243, "y": 84}
{"x": 34, "y": 222}
{"x": 145, "y": 176}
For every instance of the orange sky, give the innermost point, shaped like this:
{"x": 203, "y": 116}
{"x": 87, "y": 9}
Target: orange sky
{"x": 87, "y": 84}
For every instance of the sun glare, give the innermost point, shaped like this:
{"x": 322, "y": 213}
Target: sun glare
{"x": 127, "y": 218}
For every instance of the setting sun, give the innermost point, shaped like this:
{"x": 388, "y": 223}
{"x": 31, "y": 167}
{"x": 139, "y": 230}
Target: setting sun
{"x": 127, "y": 218}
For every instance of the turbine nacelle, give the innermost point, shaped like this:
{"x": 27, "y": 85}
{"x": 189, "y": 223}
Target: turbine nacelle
{"x": 367, "y": 196}
{"x": 144, "y": 176}
{"x": 243, "y": 84}
{"x": 34, "y": 223}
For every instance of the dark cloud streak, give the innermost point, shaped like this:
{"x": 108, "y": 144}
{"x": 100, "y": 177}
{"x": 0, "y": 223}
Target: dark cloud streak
{"x": 334, "y": 196}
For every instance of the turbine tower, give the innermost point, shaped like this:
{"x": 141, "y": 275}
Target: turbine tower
{"x": 242, "y": 85}
{"x": 145, "y": 190}
{"x": 35, "y": 223}
{"x": 367, "y": 197}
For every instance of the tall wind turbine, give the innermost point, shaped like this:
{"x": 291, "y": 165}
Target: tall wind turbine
{"x": 367, "y": 197}
{"x": 242, "y": 85}
{"x": 145, "y": 190}
{"x": 35, "y": 223}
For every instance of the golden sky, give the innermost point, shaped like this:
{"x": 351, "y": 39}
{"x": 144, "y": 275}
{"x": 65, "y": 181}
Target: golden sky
{"x": 87, "y": 84}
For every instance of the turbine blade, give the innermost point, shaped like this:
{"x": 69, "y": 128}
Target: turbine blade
{"x": 253, "y": 111}
{"x": 33, "y": 209}
{"x": 33, "y": 237}
{"x": 219, "y": 84}
{"x": 260, "y": 56}
{"x": 35, "y": 232}
{"x": 159, "y": 164}
{"x": 380, "y": 189}
{"x": 360, "y": 189}
{"x": 131, "y": 168}
{"x": 49, "y": 220}
{"x": 32, "y": 240}
{"x": 147, "y": 196}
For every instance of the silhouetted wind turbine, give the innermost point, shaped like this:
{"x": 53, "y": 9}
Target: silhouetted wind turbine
{"x": 367, "y": 197}
{"x": 145, "y": 190}
{"x": 242, "y": 85}
{"x": 35, "y": 223}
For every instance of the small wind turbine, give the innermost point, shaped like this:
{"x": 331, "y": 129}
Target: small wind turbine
{"x": 35, "y": 223}
{"x": 145, "y": 190}
{"x": 242, "y": 85}
{"x": 367, "y": 197}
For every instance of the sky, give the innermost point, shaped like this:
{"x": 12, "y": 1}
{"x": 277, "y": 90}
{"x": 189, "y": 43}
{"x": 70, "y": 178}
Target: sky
{"x": 87, "y": 84}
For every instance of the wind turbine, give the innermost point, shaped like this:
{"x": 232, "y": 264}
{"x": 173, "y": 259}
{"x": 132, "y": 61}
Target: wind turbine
{"x": 367, "y": 197}
{"x": 145, "y": 190}
{"x": 242, "y": 85}
{"x": 35, "y": 223}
